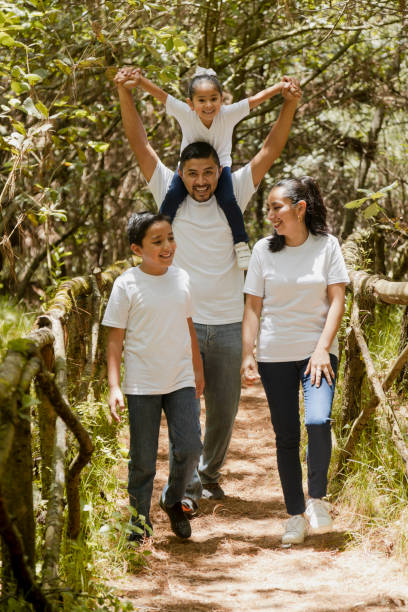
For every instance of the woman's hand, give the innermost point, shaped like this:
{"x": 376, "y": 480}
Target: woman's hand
{"x": 319, "y": 364}
{"x": 249, "y": 370}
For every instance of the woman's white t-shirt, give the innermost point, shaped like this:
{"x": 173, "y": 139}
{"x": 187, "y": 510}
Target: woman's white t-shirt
{"x": 153, "y": 310}
{"x": 293, "y": 284}
{"x": 219, "y": 134}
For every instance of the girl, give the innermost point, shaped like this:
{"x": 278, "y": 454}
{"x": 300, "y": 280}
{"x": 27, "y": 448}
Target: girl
{"x": 295, "y": 285}
{"x": 205, "y": 118}
{"x": 149, "y": 308}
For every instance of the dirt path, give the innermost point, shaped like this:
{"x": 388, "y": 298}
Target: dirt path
{"x": 235, "y": 560}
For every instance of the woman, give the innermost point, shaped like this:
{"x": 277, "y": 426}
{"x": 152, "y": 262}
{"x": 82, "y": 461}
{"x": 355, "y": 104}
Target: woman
{"x": 295, "y": 290}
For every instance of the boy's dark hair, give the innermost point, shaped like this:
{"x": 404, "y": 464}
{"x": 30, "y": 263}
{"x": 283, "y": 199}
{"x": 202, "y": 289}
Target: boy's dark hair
{"x": 139, "y": 223}
{"x": 198, "y": 150}
{"x": 307, "y": 189}
{"x": 197, "y": 79}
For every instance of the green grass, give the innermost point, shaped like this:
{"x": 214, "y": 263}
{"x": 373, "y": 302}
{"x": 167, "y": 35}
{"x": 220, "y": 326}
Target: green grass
{"x": 14, "y": 322}
{"x": 374, "y": 494}
{"x": 101, "y": 554}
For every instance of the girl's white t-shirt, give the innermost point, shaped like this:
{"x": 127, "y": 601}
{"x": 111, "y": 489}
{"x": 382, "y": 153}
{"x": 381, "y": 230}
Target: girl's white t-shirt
{"x": 293, "y": 284}
{"x": 153, "y": 310}
{"x": 219, "y": 134}
{"x": 205, "y": 248}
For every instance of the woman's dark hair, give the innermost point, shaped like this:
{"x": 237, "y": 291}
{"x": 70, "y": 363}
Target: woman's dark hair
{"x": 139, "y": 223}
{"x": 307, "y": 189}
{"x": 198, "y": 79}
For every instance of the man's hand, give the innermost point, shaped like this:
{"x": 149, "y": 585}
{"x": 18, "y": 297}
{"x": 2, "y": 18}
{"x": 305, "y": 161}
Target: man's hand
{"x": 116, "y": 403}
{"x": 291, "y": 88}
{"x": 199, "y": 382}
{"x": 128, "y": 77}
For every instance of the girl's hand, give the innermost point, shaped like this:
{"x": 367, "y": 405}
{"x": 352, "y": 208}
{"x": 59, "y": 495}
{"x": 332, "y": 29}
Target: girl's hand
{"x": 291, "y": 88}
{"x": 116, "y": 403}
{"x": 319, "y": 363}
{"x": 249, "y": 370}
{"x": 128, "y": 77}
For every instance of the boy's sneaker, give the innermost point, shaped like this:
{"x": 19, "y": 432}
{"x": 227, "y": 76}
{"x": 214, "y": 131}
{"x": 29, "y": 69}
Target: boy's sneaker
{"x": 212, "y": 490}
{"x": 190, "y": 508}
{"x": 318, "y": 515}
{"x": 140, "y": 532}
{"x": 295, "y": 530}
{"x": 243, "y": 255}
{"x": 178, "y": 520}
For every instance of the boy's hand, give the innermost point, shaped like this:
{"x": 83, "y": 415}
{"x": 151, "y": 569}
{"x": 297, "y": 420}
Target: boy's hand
{"x": 199, "y": 382}
{"x": 128, "y": 77}
{"x": 116, "y": 403}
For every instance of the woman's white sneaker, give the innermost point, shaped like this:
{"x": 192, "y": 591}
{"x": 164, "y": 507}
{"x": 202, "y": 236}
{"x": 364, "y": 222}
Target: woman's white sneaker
{"x": 295, "y": 530}
{"x": 318, "y": 516}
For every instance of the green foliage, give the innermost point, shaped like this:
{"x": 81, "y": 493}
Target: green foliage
{"x": 373, "y": 208}
{"x": 374, "y": 491}
{"x": 102, "y": 549}
{"x": 68, "y": 179}
{"x": 14, "y": 323}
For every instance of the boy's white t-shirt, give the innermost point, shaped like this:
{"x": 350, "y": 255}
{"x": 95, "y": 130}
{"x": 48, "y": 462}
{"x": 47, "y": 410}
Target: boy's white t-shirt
{"x": 205, "y": 248}
{"x": 293, "y": 284}
{"x": 153, "y": 310}
{"x": 219, "y": 134}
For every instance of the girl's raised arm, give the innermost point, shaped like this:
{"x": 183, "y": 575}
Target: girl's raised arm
{"x": 269, "y": 92}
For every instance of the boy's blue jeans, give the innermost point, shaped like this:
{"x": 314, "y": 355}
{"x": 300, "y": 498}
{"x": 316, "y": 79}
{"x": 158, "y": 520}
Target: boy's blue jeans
{"x": 182, "y": 413}
{"x": 281, "y": 383}
{"x": 224, "y": 194}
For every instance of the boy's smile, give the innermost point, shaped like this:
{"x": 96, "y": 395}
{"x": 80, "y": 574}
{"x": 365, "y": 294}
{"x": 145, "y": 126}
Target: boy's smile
{"x": 158, "y": 248}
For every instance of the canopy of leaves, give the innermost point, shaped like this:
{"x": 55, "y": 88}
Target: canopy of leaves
{"x": 68, "y": 180}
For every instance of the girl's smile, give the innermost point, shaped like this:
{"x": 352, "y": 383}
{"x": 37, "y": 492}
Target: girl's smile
{"x": 206, "y": 102}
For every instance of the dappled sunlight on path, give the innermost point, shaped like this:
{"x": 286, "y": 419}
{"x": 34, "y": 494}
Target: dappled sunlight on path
{"x": 235, "y": 560}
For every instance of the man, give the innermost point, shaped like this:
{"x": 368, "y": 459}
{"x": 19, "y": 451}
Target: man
{"x": 205, "y": 250}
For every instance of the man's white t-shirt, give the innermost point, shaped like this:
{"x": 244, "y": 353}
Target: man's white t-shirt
{"x": 219, "y": 134}
{"x": 205, "y": 248}
{"x": 293, "y": 284}
{"x": 153, "y": 310}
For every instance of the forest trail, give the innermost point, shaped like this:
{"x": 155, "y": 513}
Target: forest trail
{"x": 235, "y": 560}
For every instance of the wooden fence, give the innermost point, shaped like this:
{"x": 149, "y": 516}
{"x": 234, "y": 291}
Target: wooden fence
{"x": 63, "y": 360}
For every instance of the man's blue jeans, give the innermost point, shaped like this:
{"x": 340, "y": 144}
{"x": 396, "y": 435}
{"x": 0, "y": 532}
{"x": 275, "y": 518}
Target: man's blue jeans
{"x": 220, "y": 347}
{"x": 281, "y": 383}
{"x": 183, "y": 420}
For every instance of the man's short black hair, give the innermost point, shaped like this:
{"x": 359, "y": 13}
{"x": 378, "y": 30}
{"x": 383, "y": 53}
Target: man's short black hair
{"x": 198, "y": 150}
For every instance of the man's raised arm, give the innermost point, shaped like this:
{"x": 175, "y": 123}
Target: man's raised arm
{"x": 146, "y": 156}
{"x": 277, "y": 137}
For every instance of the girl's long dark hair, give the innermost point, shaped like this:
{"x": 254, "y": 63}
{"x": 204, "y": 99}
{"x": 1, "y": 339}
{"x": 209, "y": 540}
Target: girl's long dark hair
{"x": 307, "y": 189}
